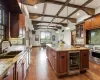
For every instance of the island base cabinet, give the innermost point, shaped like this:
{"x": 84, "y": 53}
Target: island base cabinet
{"x": 62, "y": 62}
{"x": 84, "y": 60}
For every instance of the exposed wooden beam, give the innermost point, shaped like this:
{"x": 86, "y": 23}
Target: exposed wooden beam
{"x": 36, "y": 15}
{"x": 36, "y": 22}
{"x": 89, "y": 11}
{"x": 37, "y": 26}
{"x": 43, "y": 26}
{"x": 89, "y": 1}
{"x": 44, "y": 9}
{"x": 63, "y": 6}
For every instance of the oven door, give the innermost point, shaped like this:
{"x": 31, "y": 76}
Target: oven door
{"x": 96, "y": 54}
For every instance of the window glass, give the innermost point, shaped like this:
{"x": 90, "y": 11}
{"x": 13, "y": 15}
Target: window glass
{"x": 45, "y": 37}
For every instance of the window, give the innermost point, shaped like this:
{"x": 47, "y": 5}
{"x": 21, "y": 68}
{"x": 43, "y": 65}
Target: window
{"x": 45, "y": 37}
{"x": 1, "y": 32}
{"x": 1, "y": 25}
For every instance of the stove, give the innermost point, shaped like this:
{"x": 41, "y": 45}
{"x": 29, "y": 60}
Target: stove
{"x": 95, "y": 54}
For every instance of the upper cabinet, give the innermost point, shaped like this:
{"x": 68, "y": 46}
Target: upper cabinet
{"x": 79, "y": 30}
{"x": 92, "y": 23}
{"x": 17, "y": 23}
{"x": 88, "y": 24}
{"x": 14, "y": 25}
{"x": 96, "y": 21}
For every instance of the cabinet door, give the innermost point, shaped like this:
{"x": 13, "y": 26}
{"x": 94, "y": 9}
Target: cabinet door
{"x": 96, "y": 21}
{"x": 19, "y": 72}
{"x": 88, "y": 24}
{"x": 62, "y": 62}
{"x": 84, "y": 59}
{"x": 10, "y": 75}
{"x": 14, "y": 25}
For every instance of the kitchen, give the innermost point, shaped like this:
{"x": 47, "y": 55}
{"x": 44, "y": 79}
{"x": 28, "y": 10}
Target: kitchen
{"x": 49, "y": 39}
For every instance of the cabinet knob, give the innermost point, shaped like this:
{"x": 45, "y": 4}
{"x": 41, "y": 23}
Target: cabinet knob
{"x": 84, "y": 54}
{"x": 62, "y": 57}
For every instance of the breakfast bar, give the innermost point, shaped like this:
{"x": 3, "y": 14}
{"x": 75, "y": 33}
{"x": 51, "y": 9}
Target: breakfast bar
{"x": 67, "y": 60}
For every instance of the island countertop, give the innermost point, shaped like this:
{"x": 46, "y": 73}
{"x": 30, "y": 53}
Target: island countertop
{"x": 57, "y": 47}
{"x": 5, "y": 64}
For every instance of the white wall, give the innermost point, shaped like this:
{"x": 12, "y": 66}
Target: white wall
{"x": 67, "y": 36}
{"x": 37, "y": 43}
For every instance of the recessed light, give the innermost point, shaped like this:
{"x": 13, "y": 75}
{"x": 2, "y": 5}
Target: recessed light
{"x": 78, "y": 14}
{"x": 67, "y": 28}
{"x": 57, "y": 31}
{"x": 35, "y": 7}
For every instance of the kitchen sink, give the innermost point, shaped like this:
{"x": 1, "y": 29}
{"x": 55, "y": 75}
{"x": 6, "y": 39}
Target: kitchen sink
{"x": 11, "y": 54}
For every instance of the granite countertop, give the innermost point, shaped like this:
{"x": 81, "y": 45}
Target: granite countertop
{"x": 57, "y": 47}
{"x": 5, "y": 64}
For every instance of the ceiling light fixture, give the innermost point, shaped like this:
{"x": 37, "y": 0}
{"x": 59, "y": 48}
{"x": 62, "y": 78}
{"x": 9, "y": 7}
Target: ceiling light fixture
{"x": 78, "y": 14}
{"x": 57, "y": 31}
{"x": 35, "y": 7}
{"x": 67, "y": 28}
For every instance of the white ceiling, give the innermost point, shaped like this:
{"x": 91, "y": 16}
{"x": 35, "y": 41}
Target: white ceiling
{"x": 48, "y": 19}
{"x": 64, "y": 12}
{"x": 39, "y": 9}
{"x": 52, "y": 9}
{"x": 94, "y": 4}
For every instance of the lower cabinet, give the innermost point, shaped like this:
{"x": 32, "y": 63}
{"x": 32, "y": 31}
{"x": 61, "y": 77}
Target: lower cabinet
{"x": 10, "y": 75}
{"x": 62, "y": 62}
{"x": 19, "y": 69}
{"x": 19, "y": 72}
{"x": 84, "y": 60}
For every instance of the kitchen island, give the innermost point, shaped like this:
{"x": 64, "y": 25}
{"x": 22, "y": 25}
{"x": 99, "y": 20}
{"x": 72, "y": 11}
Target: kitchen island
{"x": 67, "y": 60}
{"x": 15, "y": 65}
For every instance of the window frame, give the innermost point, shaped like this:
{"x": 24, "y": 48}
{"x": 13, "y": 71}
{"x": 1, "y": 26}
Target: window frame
{"x": 45, "y": 36}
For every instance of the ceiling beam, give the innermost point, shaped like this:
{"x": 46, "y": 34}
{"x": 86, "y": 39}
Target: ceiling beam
{"x": 36, "y": 15}
{"x": 36, "y": 22}
{"x": 89, "y": 1}
{"x": 63, "y": 6}
{"x": 89, "y": 11}
{"x": 44, "y": 9}
{"x": 37, "y": 26}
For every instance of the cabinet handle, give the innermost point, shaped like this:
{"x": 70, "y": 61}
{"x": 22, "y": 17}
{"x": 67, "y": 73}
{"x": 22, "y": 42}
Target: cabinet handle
{"x": 62, "y": 57}
{"x": 5, "y": 76}
{"x": 84, "y": 54}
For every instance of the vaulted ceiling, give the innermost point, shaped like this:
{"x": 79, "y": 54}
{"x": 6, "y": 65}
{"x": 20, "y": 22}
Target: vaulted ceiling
{"x": 59, "y": 12}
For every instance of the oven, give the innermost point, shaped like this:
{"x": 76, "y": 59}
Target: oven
{"x": 95, "y": 54}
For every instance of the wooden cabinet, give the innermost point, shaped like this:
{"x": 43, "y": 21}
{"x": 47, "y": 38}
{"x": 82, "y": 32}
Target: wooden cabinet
{"x": 96, "y": 21}
{"x": 62, "y": 62}
{"x": 19, "y": 69}
{"x": 10, "y": 75}
{"x": 59, "y": 60}
{"x": 80, "y": 31}
{"x": 17, "y": 23}
{"x": 14, "y": 25}
{"x": 92, "y": 23}
{"x": 84, "y": 59}
{"x": 88, "y": 24}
